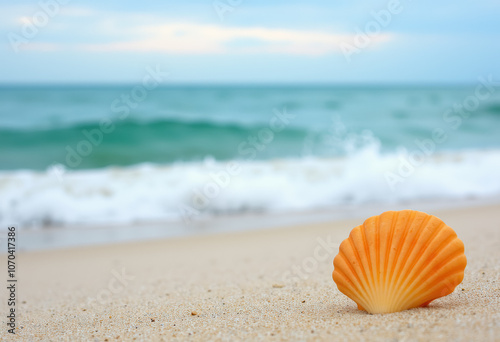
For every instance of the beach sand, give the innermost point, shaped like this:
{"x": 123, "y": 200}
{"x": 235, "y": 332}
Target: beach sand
{"x": 270, "y": 284}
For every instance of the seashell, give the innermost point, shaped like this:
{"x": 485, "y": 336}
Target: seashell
{"x": 399, "y": 260}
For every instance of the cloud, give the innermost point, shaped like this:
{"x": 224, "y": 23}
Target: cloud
{"x": 211, "y": 39}
{"x": 191, "y": 38}
{"x": 41, "y": 47}
{"x": 149, "y": 32}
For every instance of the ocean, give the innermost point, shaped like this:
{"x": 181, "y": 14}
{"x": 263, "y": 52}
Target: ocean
{"x": 86, "y": 155}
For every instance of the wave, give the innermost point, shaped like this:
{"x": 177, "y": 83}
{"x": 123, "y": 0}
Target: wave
{"x": 493, "y": 108}
{"x": 168, "y": 124}
{"x": 187, "y": 191}
{"x": 134, "y": 142}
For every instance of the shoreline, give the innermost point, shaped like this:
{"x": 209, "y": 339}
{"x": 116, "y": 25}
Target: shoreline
{"x": 49, "y": 238}
{"x": 259, "y": 284}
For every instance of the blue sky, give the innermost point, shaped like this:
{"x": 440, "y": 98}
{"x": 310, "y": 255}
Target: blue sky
{"x": 250, "y": 41}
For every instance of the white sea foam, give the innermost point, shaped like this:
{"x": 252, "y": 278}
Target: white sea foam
{"x": 147, "y": 192}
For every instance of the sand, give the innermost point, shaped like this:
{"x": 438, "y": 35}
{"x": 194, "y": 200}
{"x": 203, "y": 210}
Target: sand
{"x": 270, "y": 284}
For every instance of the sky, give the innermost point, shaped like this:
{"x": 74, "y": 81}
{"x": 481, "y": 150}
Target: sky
{"x": 249, "y": 41}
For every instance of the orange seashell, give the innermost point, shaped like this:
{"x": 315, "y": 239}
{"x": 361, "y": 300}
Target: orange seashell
{"x": 399, "y": 260}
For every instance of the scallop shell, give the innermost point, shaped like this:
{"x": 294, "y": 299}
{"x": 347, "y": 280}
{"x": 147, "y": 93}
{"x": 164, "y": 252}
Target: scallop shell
{"x": 399, "y": 260}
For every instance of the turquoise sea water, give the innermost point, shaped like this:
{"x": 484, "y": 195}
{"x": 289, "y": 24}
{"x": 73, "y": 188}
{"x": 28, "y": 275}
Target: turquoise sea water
{"x": 41, "y": 126}
{"x": 72, "y": 155}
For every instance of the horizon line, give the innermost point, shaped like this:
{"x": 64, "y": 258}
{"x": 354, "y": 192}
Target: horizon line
{"x": 240, "y": 84}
